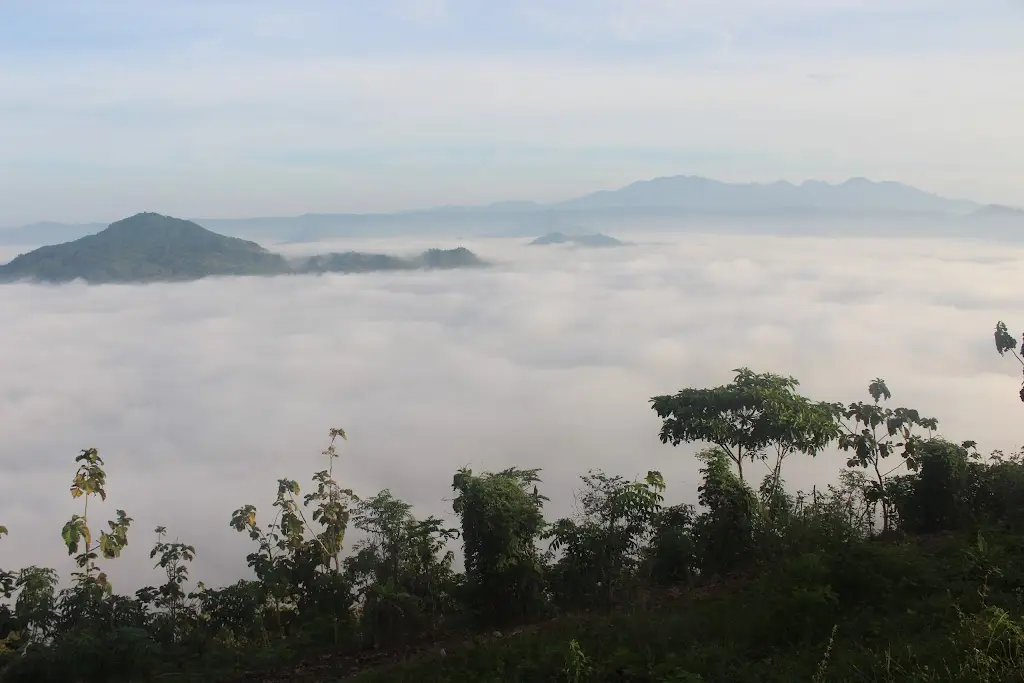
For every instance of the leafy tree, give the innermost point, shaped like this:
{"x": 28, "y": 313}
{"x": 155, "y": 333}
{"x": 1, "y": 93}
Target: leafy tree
{"x": 873, "y": 432}
{"x": 501, "y": 524}
{"x": 753, "y": 413}
{"x": 724, "y": 530}
{"x": 298, "y": 567}
{"x": 671, "y": 555}
{"x": 90, "y": 585}
{"x": 402, "y": 569}
{"x": 383, "y": 518}
{"x": 1006, "y": 342}
{"x": 34, "y": 607}
{"x": 605, "y": 543}
{"x": 941, "y": 496}
{"x": 170, "y": 598}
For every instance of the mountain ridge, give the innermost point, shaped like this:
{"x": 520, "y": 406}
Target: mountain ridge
{"x": 698, "y": 192}
{"x": 678, "y": 195}
{"x": 151, "y": 247}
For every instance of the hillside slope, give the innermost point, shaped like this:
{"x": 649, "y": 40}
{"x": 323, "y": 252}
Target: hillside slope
{"x": 150, "y": 247}
{"x": 147, "y": 247}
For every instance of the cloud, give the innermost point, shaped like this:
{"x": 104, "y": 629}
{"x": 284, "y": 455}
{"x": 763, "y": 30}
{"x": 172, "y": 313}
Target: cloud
{"x": 199, "y": 396}
{"x": 215, "y": 108}
{"x": 397, "y": 133}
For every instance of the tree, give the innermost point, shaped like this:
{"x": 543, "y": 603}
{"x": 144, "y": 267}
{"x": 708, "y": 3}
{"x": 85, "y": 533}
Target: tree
{"x": 91, "y": 584}
{"x": 501, "y": 524}
{"x": 292, "y": 568}
{"x": 170, "y": 597}
{"x": 605, "y": 543}
{"x": 1006, "y": 342}
{"x": 724, "y": 529}
{"x": 401, "y": 569}
{"x": 873, "y": 432}
{"x": 941, "y": 496}
{"x": 756, "y": 412}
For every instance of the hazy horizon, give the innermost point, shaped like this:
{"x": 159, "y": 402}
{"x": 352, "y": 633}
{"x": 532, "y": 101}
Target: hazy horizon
{"x": 512, "y": 200}
{"x": 215, "y": 109}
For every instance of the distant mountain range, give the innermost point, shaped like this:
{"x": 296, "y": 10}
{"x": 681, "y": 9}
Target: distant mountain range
{"x": 702, "y": 194}
{"x": 999, "y": 211}
{"x": 149, "y": 247}
{"x": 674, "y": 198}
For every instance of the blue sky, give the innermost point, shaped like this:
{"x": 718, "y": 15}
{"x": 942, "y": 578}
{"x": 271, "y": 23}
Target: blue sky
{"x": 217, "y": 108}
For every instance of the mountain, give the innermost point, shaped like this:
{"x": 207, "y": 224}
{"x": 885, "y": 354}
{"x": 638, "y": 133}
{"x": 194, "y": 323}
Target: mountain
{"x": 149, "y": 247}
{"x": 593, "y": 240}
{"x": 360, "y": 262}
{"x": 698, "y": 194}
{"x": 351, "y": 262}
{"x": 661, "y": 199}
{"x": 998, "y": 211}
{"x": 446, "y": 259}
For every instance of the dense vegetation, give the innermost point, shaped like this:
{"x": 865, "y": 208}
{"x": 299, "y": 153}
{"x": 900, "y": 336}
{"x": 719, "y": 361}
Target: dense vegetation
{"x": 149, "y": 247}
{"x": 909, "y": 568}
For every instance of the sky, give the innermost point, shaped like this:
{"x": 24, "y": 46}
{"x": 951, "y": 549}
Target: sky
{"x": 200, "y": 396}
{"x": 217, "y": 108}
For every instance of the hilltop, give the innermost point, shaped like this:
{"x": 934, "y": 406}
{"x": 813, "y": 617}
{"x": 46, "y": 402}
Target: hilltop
{"x": 592, "y": 240}
{"x": 147, "y": 247}
{"x": 151, "y": 247}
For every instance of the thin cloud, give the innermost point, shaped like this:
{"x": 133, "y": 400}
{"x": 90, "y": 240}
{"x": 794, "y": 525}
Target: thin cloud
{"x": 184, "y": 138}
{"x": 202, "y": 104}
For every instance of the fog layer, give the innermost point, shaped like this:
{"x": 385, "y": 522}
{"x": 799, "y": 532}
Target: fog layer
{"x": 200, "y": 395}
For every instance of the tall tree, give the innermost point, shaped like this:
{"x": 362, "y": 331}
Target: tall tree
{"x": 754, "y": 414}
{"x": 873, "y": 432}
{"x": 501, "y": 524}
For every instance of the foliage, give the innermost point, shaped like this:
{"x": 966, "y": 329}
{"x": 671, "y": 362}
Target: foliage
{"x": 872, "y": 432}
{"x": 724, "y": 531}
{"x": 746, "y": 585}
{"x": 501, "y": 524}
{"x": 754, "y": 413}
{"x": 402, "y": 570}
{"x": 604, "y": 545}
{"x": 1007, "y": 342}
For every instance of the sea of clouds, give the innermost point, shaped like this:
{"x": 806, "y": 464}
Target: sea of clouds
{"x": 199, "y": 396}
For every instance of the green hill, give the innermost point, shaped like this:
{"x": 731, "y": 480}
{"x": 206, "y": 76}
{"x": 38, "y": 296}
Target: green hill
{"x": 351, "y": 262}
{"x": 594, "y": 240}
{"x": 149, "y": 247}
{"x": 446, "y": 259}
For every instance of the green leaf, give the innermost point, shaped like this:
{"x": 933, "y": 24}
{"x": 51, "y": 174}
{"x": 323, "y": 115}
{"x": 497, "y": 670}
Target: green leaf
{"x": 1004, "y": 340}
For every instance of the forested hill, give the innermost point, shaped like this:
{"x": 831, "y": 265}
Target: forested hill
{"x": 150, "y": 247}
